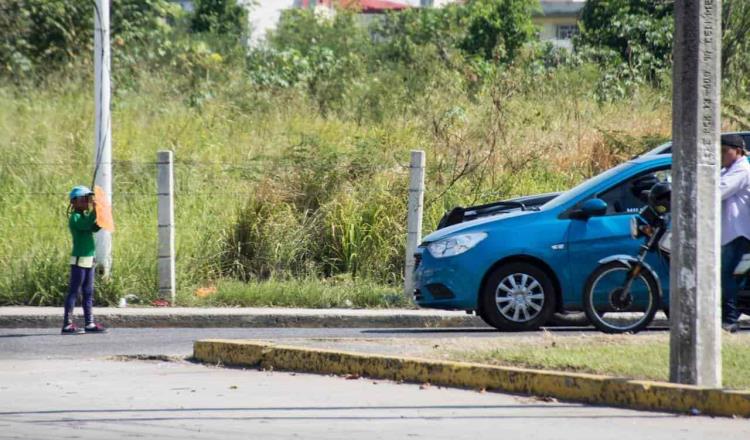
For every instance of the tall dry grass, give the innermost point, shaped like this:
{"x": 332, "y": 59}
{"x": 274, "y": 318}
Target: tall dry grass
{"x": 267, "y": 188}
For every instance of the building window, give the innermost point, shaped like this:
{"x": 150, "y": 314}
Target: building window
{"x": 567, "y": 31}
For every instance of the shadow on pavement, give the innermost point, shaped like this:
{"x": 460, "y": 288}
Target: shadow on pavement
{"x": 214, "y": 416}
{"x": 424, "y": 331}
{"x": 21, "y": 335}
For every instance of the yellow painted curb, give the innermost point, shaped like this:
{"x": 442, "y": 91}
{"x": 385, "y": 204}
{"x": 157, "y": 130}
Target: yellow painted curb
{"x": 587, "y": 388}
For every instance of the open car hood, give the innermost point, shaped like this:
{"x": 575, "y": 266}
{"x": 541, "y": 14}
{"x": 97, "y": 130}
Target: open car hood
{"x": 459, "y": 214}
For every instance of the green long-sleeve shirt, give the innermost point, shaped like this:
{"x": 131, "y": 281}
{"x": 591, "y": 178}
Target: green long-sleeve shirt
{"x": 82, "y": 227}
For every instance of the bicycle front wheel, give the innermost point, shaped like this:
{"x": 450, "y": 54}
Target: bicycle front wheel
{"x": 610, "y": 308}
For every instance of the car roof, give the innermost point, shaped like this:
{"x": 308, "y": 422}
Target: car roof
{"x": 647, "y": 158}
{"x": 666, "y": 148}
{"x": 608, "y": 177}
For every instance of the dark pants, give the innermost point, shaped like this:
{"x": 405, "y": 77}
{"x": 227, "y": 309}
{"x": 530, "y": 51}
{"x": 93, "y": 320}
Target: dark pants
{"x": 81, "y": 280}
{"x": 731, "y": 254}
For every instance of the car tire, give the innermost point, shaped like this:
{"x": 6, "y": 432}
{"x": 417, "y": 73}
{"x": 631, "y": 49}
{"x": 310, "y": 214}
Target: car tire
{"x": 481, "y": 314}
{"x": 517, "y": 297}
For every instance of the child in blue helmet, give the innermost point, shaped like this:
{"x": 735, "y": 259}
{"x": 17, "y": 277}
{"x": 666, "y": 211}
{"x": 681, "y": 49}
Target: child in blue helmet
{"x": 82, "y": 225}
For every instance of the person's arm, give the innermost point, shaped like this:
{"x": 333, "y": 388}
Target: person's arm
{"x": 733, "y": 181}
{"x": 83, "y": 221}
{"x": 96, "y": 226}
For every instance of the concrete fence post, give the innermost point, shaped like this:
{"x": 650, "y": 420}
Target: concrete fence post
{"x": 695, "y": 287}
{"x": 165, "y": 191}
{"x": 414, "y": 217}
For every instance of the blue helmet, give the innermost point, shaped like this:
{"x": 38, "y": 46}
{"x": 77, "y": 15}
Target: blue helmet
{"x": 80, "y": 191}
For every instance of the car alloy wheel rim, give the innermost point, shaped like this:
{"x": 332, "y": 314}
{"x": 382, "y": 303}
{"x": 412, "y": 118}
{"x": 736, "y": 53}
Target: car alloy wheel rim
{"x": 519, "y": 297}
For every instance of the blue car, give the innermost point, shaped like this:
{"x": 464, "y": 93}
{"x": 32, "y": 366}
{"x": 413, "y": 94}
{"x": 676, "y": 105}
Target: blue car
{"x": 523, "y": 262}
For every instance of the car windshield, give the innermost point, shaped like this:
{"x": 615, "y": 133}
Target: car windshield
{"x": 665, "y": 148}
{"x": 573, "y": 193}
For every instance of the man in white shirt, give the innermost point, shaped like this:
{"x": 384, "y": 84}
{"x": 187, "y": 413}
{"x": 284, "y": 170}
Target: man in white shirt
{"x": 735, "y": 222}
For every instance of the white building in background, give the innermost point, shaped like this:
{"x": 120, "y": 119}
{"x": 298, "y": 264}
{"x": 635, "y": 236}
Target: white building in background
{"x": 432, "y": 3}
{"x": 186, "y": 4}
{"x": 557, "y": 20}
{"x": 265, "y": 14}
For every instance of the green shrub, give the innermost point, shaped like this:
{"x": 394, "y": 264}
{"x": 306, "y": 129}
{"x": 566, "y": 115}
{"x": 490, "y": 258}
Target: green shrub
{"x": 270, "y": 238}
{"x": 221, "y": 17}
{"x": 632, "y": 41}
{"x": 497, "y": 29}
{"x": 42, "y": 36}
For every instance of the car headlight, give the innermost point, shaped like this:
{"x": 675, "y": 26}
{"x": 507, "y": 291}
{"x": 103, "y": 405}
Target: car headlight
{"x": 449, "y": 247}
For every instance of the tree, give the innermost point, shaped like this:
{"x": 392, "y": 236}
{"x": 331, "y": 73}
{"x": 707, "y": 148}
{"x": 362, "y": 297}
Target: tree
{"x": 638, "y": 31}
{"x": 221, "y": 17}
{"x": 43, "y": 35}
{"x": 497, "y": 29}
{"x": 735, "y": 50}
{"x": 327, "y": 52}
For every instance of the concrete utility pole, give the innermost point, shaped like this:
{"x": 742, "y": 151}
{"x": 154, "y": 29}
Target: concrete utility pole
{"x": 414, "y": 216}
{"x": 695, "y": 288}
{"x": 165, "y": 191}
{"x": 102, "y": 126}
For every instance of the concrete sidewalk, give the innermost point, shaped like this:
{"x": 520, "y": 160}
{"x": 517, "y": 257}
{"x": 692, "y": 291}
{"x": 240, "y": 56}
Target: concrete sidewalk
{"x": 194, "y": 317}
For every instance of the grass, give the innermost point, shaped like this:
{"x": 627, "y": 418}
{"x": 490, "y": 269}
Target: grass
{"x": 643, "y": 356}
{"x": 268, "y": 188}
{"x": 640, "y": 357}
{"x": 302, "y": 293}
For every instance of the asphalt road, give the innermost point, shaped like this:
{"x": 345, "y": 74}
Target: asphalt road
{"x": 49, "y": 344}
{"x": 94, "y": 399}
{"x": 54, "y": 386}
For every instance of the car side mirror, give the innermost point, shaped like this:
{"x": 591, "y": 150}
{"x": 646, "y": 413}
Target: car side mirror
{"x": 590, "y": 208}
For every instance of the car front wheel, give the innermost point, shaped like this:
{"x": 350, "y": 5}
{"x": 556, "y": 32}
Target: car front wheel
{"x": 517, "y": 297}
